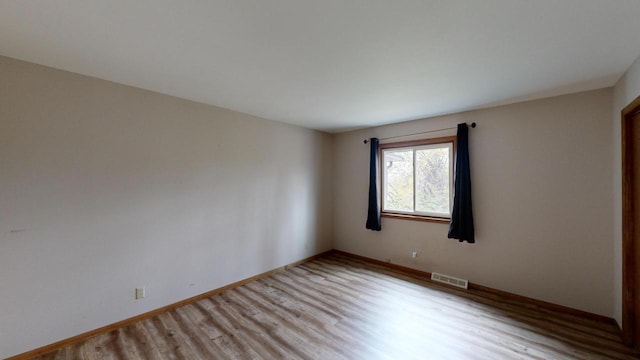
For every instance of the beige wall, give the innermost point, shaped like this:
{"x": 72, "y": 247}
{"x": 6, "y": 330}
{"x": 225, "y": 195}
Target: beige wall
{"x": 542, "y": 193}
{"x": 112, "y": 187}
{"x": 625, "y": 91}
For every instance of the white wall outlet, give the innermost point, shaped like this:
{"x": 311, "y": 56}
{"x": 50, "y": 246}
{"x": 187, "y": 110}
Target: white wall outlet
{"x": 139, "y": 293}
{"x": 414, "y": 254}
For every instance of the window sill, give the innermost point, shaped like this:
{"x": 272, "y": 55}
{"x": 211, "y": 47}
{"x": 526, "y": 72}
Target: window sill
{"x": 416, "y": 218}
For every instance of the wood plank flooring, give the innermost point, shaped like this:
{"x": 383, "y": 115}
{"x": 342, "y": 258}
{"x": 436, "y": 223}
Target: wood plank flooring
{"x": 338, "y": 307}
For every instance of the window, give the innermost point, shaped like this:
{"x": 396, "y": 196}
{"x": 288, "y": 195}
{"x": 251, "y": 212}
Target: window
{"x": 417, "y": 179}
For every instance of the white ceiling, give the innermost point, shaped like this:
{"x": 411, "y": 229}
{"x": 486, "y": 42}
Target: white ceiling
{"x": 333, "y": 64}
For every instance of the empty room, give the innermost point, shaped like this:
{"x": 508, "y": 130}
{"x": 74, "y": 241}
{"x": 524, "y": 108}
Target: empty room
{"x": 287, "y": 179}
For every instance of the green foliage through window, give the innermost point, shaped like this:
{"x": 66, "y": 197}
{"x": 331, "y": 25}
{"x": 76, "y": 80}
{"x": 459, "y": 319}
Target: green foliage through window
{"x": 418, "y": 179}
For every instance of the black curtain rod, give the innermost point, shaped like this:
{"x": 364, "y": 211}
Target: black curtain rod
{"x": 473, "y": 125}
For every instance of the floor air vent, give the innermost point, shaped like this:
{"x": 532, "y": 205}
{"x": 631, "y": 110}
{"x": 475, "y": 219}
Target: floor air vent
{"x": 450, "y": 280}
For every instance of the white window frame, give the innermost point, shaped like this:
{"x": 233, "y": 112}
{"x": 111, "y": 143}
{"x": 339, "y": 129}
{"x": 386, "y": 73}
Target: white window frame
{"x": 443, "y": 142}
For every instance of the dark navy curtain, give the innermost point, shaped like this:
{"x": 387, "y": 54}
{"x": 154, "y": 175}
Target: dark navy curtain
{"x": 373, "y": 217}
{"x": 461, "y": 226}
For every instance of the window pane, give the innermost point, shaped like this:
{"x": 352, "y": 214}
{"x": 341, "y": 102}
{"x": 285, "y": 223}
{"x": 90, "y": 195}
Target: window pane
{"x": 432, "y": 180}
{"x": 398, "y": 181}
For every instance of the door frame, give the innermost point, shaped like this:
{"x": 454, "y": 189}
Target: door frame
{"x": 630, "y": 329}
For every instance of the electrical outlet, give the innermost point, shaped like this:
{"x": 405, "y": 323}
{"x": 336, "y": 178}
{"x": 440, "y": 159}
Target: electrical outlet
{"x": 139, "y": 293}
{"x": 414, "y": 254}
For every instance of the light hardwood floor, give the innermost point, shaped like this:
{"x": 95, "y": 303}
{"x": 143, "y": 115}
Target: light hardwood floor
{"x": 338, "y": 307}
